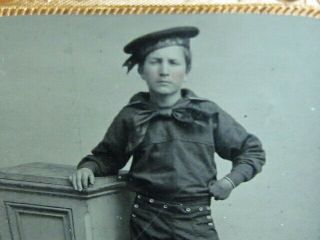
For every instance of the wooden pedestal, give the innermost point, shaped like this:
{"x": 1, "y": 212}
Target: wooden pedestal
{"x": 37, "y": 202}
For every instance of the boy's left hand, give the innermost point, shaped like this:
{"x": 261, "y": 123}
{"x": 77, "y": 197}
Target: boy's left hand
{"x": 221, "y": 189}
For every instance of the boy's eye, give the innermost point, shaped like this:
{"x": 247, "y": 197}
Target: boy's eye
{"x": 154, "y": 61}
{"x": 174, "y": 62}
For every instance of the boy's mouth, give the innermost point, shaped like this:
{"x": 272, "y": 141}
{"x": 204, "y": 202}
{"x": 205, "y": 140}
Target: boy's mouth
{"x": 164, "y": 82}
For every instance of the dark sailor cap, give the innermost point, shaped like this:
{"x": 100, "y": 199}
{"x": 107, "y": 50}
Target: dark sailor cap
{"x": 140, "y": 47}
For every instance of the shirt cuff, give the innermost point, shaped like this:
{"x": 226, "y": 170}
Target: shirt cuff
{"x": 91, "y": 165}
{"x": 240, "y": 173}
{"x": 230, "y": 181}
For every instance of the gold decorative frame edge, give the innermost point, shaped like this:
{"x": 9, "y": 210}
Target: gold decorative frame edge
{"x": 69, "y": 9}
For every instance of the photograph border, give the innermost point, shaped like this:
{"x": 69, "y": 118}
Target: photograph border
{"x": 285, "y": 8}
{"x": 306, "y": 8}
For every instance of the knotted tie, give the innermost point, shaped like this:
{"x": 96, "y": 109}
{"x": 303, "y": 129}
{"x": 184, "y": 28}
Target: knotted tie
{"x": 142, "y": 119}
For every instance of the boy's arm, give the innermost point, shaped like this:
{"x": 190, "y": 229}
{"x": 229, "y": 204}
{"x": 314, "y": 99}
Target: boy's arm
{"x": 234, "y": 143}
{"x": 110, "y": 154}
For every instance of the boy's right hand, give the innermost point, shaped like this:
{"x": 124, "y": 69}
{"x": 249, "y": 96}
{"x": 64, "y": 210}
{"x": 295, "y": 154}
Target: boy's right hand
{"x": 82, "y": 178}
{"x": 221, "y": 189}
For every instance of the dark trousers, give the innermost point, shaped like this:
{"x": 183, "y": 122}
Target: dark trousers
{"x": 152, "y": 219}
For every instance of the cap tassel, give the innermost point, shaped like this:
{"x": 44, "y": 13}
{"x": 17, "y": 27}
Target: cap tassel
{"x": 130, "y": 63}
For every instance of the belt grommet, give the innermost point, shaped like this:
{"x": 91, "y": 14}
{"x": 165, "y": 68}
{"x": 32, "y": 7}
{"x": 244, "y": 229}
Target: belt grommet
{"x": 188, "y": 209}
{"x": 200, "y": 209}
{"x": 165, "y": 206}
{"x": 151, "y": 200}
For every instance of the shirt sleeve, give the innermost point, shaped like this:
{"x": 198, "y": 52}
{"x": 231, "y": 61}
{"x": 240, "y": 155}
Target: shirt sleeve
{"x": 234, "y": 143}
{"x": 111, "y": 153}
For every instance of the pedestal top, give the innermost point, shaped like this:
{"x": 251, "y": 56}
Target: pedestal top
{"x": 38, "y": 176}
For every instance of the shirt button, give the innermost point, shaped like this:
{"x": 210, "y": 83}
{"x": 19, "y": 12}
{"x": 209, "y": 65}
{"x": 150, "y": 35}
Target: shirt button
{"x": 208, "y": 217}
{"x": 210, "y": 224}
{"x": 136, "y": 206}
{"x": 139, "y": 196}
{"x": 188, "y": 209}
{"x": 133, "y": 215}
{"x": 151, "y": 200}
{"x": 165, "y": 206}
{"x": 200, "y": 209}
{"x": 208, "y": 208}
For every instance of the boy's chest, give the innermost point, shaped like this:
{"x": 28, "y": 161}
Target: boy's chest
{"x": 169, "y": 129}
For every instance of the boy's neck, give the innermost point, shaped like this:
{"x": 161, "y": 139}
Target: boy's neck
{"x": 165, "y": 101}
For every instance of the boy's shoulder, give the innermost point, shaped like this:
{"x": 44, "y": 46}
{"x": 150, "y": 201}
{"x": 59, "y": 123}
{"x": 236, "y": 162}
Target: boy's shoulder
{"x": 136, "y": 103}
{"x": 138, "y": 99}
{"x": 202, "y": 103}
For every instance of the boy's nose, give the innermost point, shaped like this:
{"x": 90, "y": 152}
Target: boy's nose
{"x": 164, "y": 69}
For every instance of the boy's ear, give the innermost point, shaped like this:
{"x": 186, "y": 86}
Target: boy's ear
{"x": 140, "y": 71}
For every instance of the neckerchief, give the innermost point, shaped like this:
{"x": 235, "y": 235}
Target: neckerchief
{"x": 184, "y": 111}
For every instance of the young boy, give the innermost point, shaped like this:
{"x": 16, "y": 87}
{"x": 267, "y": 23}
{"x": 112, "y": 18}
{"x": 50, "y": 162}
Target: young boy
{"x": 172, "y": 135}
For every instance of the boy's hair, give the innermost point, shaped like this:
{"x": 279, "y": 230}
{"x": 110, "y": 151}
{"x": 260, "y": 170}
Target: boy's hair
{"x": 187, "y": 57}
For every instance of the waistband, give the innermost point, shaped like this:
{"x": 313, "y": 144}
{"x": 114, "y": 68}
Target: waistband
{"x": 190, "y": 201}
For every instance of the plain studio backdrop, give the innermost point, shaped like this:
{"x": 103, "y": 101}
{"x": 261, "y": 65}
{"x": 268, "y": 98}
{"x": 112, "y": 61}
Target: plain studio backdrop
{"x": 61, "y": 84}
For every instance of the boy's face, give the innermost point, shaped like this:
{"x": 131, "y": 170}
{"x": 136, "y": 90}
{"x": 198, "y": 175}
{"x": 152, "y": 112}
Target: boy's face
{"x": 164, "y": 70}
